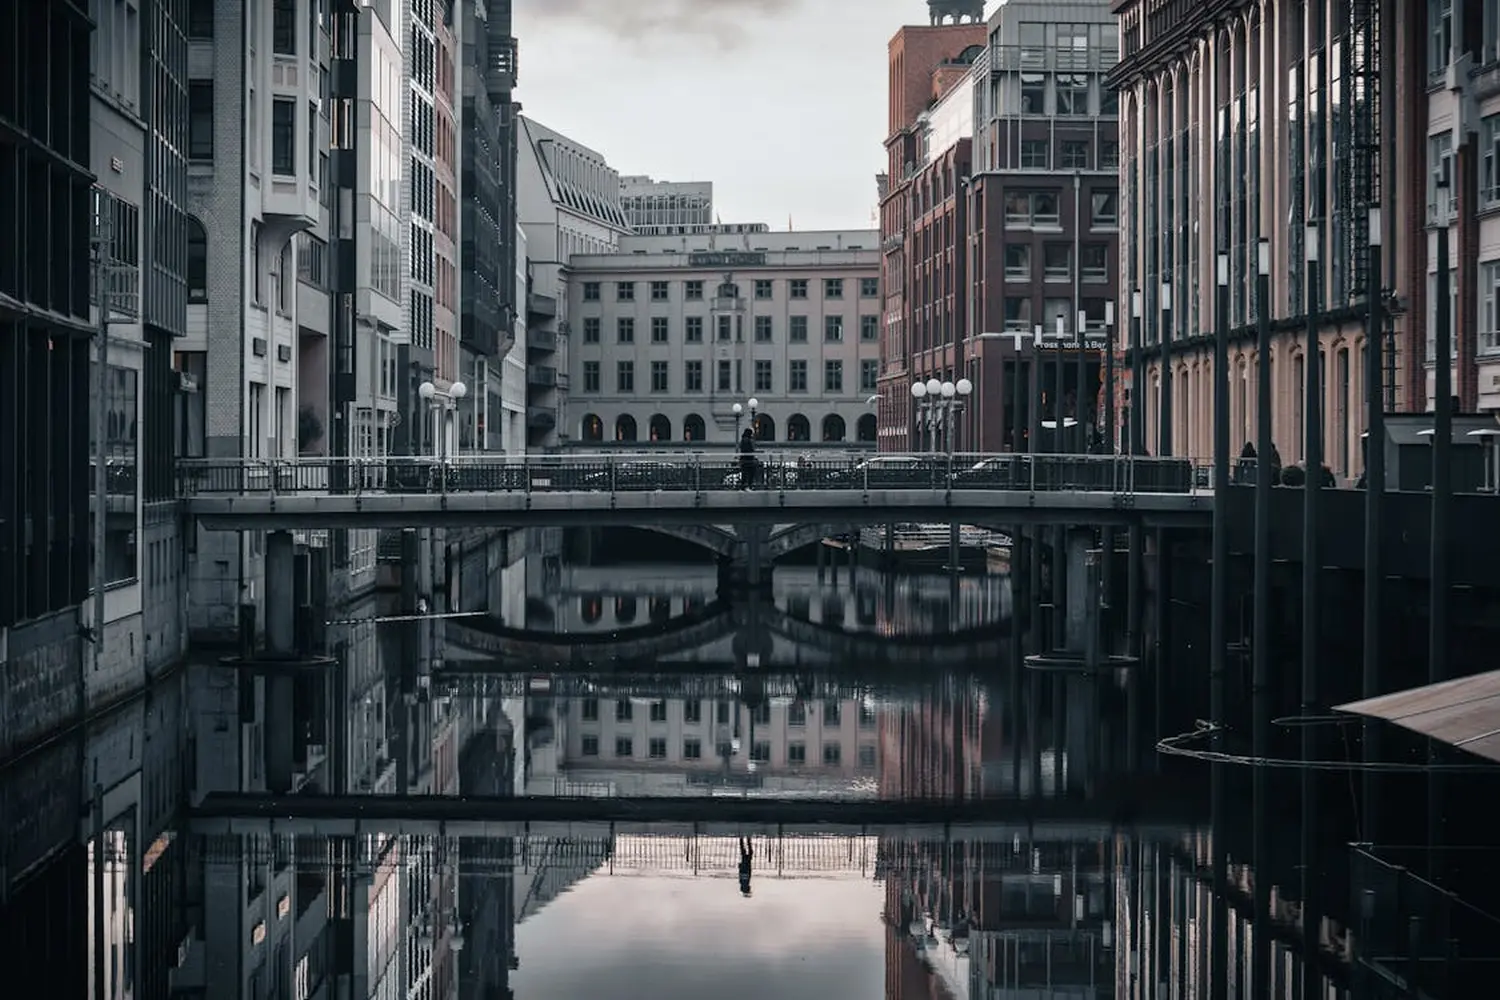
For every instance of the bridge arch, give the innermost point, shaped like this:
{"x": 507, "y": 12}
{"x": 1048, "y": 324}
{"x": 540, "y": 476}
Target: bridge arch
{"x": 789, "y": 539}
{"x": 720, "y": 541}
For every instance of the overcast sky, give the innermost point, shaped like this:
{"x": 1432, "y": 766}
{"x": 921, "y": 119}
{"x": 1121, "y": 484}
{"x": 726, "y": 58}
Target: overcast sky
{"x": 781, "y": 103}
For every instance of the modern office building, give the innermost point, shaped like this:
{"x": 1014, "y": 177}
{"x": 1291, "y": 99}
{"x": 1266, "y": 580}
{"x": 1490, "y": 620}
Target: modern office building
{"x": 490, "y": 311}
{"x": 1002, "y": 220}
{"x": 671, "y": 332}
{"x": 666, "y": 208}
{"x": 568, "y": 202}
{"x": 428, "y": 348}
{"x": 926, "y": 63}
{"x": 1244, "y": 129}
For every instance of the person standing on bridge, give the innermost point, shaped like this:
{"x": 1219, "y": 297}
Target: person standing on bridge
{"x": 747, "y": 855}
{"x": 748, "y": 461}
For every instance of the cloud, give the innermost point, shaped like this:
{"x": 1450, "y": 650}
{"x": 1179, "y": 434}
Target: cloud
{"x": 721, "y": 22}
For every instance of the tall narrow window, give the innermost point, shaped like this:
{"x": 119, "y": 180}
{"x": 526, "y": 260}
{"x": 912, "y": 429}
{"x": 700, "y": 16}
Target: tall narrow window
{"x": 201, "y": 120}
{"x": 283, "y": 137}
{"x": 284, "y": 27}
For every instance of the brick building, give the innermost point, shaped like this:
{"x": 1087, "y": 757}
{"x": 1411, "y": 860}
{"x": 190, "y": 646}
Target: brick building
{"x": 920, "y": 225}
{"x": 1239, "y": 125}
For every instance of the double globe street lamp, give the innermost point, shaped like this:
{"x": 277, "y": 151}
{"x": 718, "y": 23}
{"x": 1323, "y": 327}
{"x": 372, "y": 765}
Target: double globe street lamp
{"x": 941, "y": 402}
{"x": 441, "y": 401}
{"x": 739, "y": 415}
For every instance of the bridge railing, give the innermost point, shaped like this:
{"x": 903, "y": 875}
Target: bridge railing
{"x": 697, "y": 473}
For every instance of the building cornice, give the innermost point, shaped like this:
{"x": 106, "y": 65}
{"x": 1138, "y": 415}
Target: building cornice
{"x": 1172, "y": 42}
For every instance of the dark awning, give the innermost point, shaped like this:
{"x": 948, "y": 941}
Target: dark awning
{"x": 1463, "y": 713}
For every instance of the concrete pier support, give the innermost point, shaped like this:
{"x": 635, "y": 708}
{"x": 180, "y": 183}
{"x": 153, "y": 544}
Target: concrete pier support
{"x": 281, "y": 594}
{"x": 279, "y": 715}
{"x": 749, "y": 567}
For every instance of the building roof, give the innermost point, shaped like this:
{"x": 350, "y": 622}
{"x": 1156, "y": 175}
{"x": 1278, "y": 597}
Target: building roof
{"x": 1463, "y": 713}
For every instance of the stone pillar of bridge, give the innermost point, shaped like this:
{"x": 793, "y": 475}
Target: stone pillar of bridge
{"x": 749, "y": 566}
{"x": 278, "y": 718}
{"x": 1080, "y": 602}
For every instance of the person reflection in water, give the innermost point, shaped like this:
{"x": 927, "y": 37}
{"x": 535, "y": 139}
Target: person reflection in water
{"x": 747, "y": 854}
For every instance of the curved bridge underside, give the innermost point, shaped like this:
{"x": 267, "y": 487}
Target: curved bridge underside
{"x": 724, "y": 542}
{"x": 751, "y": 627}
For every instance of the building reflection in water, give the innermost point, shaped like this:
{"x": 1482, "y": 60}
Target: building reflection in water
{"x": 1064, "y": 894}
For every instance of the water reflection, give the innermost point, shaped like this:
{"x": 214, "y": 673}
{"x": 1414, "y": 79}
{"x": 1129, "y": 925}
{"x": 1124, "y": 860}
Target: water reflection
{"x": 948, "y": 826}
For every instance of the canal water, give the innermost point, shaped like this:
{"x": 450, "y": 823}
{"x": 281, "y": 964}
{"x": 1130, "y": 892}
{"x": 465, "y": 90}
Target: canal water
{"x": 858, "y": 792}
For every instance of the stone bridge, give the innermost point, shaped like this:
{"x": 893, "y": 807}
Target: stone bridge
{"x": 752, "y": 629}
{"x": 679, "y": 491}
{"x": 726, "y": 542}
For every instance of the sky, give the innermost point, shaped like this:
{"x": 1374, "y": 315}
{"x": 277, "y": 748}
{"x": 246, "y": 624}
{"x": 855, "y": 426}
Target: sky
{"x": 652, "y": 938}
{"x": 781, "y": 103}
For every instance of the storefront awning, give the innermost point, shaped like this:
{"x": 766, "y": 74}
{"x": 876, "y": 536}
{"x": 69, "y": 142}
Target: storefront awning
{"x": 1463, "y": 713}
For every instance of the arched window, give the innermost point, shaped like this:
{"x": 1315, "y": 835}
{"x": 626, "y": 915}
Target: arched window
{"x": 591, "y": 608}
{"x": 625, "y": 610}
{"x": 833, "y": 427}
{"x": 625, "y": 428}
{"x": 864, "y": 430}
{"x": 197, "y": 261}
{"x": 661, "y": 429}
{"x": 692, "y": 428}
{"x": 592, "y": 428}
{"x": 798, "y": 428}
{"x": 765, "y": 428}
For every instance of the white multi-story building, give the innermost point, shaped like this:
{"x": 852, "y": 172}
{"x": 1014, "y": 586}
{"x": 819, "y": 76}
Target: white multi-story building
{"x": 670, "y": 332}
{"x": 567, "y": 202}
{"x": 666, "y": 208}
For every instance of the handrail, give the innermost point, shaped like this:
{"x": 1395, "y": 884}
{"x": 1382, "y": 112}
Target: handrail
{"x": 695, "y": 472}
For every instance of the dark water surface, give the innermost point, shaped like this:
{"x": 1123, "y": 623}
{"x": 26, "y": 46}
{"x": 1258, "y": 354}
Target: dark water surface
{"x": 846, "y": 789}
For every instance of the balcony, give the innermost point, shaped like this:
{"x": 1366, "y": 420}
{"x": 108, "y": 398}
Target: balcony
{"x": 541, "y": 340}
{"x": 544, "y": 376}
{"x": 541, "y": 418}
{"x": 541, "y": 306}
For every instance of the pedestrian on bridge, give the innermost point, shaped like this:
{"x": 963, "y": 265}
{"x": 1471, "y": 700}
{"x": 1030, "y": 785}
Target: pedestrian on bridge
{"x": 748, "y": 461}
{"x": 747, "y": 858}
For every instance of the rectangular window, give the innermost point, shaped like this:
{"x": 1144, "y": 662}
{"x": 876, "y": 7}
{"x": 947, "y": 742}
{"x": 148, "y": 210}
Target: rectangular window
{"x": 624, "y": 746}
{"x": 833, "y": 329}
{"x": 625, "y": 376}
{"x": 624, "y": 710}
{"x": 1034, "y": 208}
{"x": 692, "y": 748}
{"x": 625, "y": 330}
{"x": 796, "y": 714}
{"x": 796, "y": 376}
{"x": 692, "y": 291}
{"x": 1033, "y": 94}
{"x": 1075, "y": 155}
{"x": 659, "y": 376}
{"x": 726, "y": 328}
{"x": 692, "y": 376}
{"x": 283, "y": 137}
{"x": 1440, "y": 164}
{"x": 869, "y": 374}
{"x": 725, "y": 380}
{"x": 201, "y": 120}
{"x": 796, "y": 753}
{"x": 1489, "y": 170}
{"x": 833, "y": 288}
{"x": 591, "y": 376}
{"x": 659, "y": 291}
{"x": 833, "y": 376}
{"x": 1017, "y": 262}
{"x": 1072, "y": 94}
{"x": 1017, "y": 314}
{"x": 1057, "y": 262}
{"x": 797, "y": 329}
{"x": 591, "y": 329}
{"x": 200, "y": 19}
{"x": 692, "y": 330}
{"x": 692, "y": 712}
{"x": 762, "y": 376}
{"x": 591, "y": 746}
{"x": 1095, "y": 264}
{"x": 656, "y": 748}
{"x": 591, "y": 291}
{"x": 869, "y": 288}
{"x": 833, "y": 754}
{"x": 1105, "y": 208}
{"x": 1439, "y": 38}
{"x": 762, "y": 329}
{"x": 625, "y": 291}
{"x": 762, "y": 288}
{"x": 284, "y": 27}
{"x": 1034, "y": 154}
{"x": 658, "y": 329}
{"x": 869, "y": 329}
{"x": 832, "y": 714}
{"x": 797, "y": 288}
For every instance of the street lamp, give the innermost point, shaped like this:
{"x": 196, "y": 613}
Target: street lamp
{"x": 941, "y": 401}
{"x": 738, "y": 409}
{"x": 441, "y": 401}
